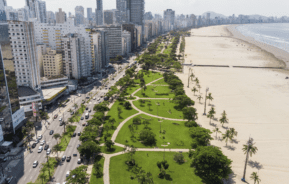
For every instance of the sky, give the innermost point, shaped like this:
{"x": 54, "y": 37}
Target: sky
{"x": 226, "y": 7}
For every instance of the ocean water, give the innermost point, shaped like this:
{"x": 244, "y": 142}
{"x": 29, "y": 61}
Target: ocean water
{"x": 276, "y": 35}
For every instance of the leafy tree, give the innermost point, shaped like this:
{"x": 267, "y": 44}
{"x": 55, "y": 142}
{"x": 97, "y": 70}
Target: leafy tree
{"x": 217, "y": 130}
{"x": 179, "y": 158}
{"x": 136, "y": 120}
{"x": 190, "y": 113}
{"x": 88, "y": 149}
{"x": 56, "y": 148}
{"x": 95, "y": 121}
{"x": 211, "y": 165}
{"x": 201, "y": 135}
{"x": 183, "y": 101}
{"x": 209, "y": 97}
{"x": 80, "y": 175}
{"x": 27, "y": 131}
{"x": 127, "y": 105}
{"x": 254, "y": 176}
{"x": 191, "y": 124}
{"x": 162, "y": 165}
{"x": 109, "y": 144}
{"x": 148, "y": 137}
{"x": 90, "y": 133}
{"x": 200, "y": 98}
{"x": 233, "y": 132}
{"x": 144, "y": 177}
{"x": 56, "y": 136}
{"x": 102, "y": 107}
{"x": 224, "y": 118}
{"x": 194, "y": 90}
{"x": 252, "y": 149}
{"x": 227, "y": 136}
{"x": 211, "y": 113}
{"x": 98, "y": 169}
{"x": 119, "y": 111}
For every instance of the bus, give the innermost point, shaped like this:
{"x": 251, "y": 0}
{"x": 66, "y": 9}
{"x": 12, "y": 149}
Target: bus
{"x": 86, "y": 115}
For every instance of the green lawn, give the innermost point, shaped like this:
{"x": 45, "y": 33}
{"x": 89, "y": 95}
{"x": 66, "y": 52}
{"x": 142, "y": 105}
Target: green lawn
{"x": 52, "y": 163}
{"x": 77, "y": 115}
{"x": 169, "y": 48}
{"x": 115, "y": 149}
{"x": 113, "y": 113}
{"x": 160, "y": 48}
{"x": 165, "y": 108}
{"x": 149, "y": 76}
{"x": 93, "y": 178}
{"x": 66, "y": 136}
{"x": 176, "y": 134}
{"x": 180, "y": 174}
{"x": 155, "y": 92}
{"x": 161, "y": 82}
{"x": 132, "y": 88}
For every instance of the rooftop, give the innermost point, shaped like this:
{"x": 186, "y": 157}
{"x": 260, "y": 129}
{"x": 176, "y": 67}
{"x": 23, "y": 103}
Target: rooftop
{"x": 26, "y": 91}
{"x": 48, "y": 93}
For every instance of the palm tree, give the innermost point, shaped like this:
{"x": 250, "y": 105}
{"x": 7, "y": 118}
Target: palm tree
{"x": 64, "y": 123}
{"x": 197, "y": 80}
{"x": 56, "y": 136}
{"x": 217, "y": 130}
{"x": 194, "y": 90}
{"x": 251, "y": 149}
{"x": 199, "y": 86}
{"x": 254, "y": 176}
{"x": 200, "y": 98}
{"x": 233, "y": 132}
{"x": 223, "y": 119}
{"x": 192, "y": 76}
{"x": 211, "y": 114}
{"x": 227, "y": 136}
{"x": 56, "y": 148}
{"x": 209, "y": 97}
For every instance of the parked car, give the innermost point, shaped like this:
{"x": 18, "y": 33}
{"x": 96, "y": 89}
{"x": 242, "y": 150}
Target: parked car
{"x": 48, "y": 151}
{"x": 74, "y": 134}
{"x": 35, "y": 164}
{"x": 34, "y": 145}
{"x": 79, "y": 161}
{"x": 68, "y": 159}
{"x": 51, "y": 132}
{"x": 39, "y": 137}
{"x": 46, "y": 146}
{"x": 36, "y": 141}
{"x": 63, "y": 157}
{"x": 94, "y": 98}
{"x": 86, "y": 108}
{"x": 60, "y": 119}
{"x": 89, "y": 110}
{"x": 55, "y": 116}
{"x": 98, "y": 99}
{"x": 78, "y": 133}
{"x": 42, "y": 142}
{"x": 82, "y": 118}
{"x": 40, "y": 149}
{"x": 68, "y": 173}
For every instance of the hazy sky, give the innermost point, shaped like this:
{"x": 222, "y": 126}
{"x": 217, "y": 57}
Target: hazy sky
{"x": 197, "y": 7}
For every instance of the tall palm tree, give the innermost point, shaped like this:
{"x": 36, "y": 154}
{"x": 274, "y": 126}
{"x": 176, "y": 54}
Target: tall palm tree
{"x": 211, "y": 114}
{"x": 192, "y": 76}
{"x": 56, "y": 148}
{"x": 251, "y": 149}
{"x": 233, "y": 132}
{"x": 223, "y": 119}
{"x": 227, "y": 136}
{"x": 199, "y": 98}
{"x": 199, "y": 86}
{"x": 197, "y": 80}
{"x": 194, "y": 90}
{"x": 254, "y": 176}
{"x": 56, "y": 136}
{"x": 217, "y": 130}
{"x": 209, "y": 97}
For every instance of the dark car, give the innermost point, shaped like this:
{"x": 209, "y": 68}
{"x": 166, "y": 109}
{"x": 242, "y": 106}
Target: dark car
{"x": 74, "y": 134}
{"x": 34, "y": 145}
{"x": 61, "y": 123}
{"x": 82, "y": 118}
{"x": 68, "y": 159}
{"x": 51, "y": 132}
{"x": 55, "y": 116}
{"x": 78, "y": 133}
{"x": 86, "y": 108}
{"x": 75, "y": 155}
{"x": 72, "y": 113}
{"x": 46, "y": 147}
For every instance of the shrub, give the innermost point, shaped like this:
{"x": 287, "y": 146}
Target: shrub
{"x": 179, "y": 158}
{"x": 191, "y": 124}
{"x": 148, "y": 137}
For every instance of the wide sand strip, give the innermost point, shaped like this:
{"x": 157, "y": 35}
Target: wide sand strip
{"x": 256, "y": 100}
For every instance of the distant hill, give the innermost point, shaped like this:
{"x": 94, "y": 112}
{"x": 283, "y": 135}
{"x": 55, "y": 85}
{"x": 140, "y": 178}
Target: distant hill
{"x": 213, "y": 15}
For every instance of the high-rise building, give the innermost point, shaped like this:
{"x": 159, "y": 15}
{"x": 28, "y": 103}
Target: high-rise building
{"x": 40, "y": 8}
{"x": 131, "y": 28}
{"x": 109, "y": 17}
{"x": 100, "y": 49}
{"x": 23, "y": 14}
{"x": 137, "y": 10}
{"x": 89, "y": 14}
{"x": 2, "y": 10}
{"x": 52, "y": 64}
{"x": 208, "y": 18}
{"x": 60, "y": 16}
{"x": 11, "y": 114}
{"x": 22, "y": 38}
{"x": 148, "y": 16}
{"x": 11, "y": 14}
{"x": 79, "y": 15}
{"x": 122, "y": 14}
{"x": 99, "y": 12}
{"x": 31, "y": 4}
{"x": 50, "y": 17}
{"x": 169, "y": 15}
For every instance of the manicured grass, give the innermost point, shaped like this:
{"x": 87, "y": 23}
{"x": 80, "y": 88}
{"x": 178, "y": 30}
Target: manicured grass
{"x": 132, "y": 88}
{"x": 66, "y": 136}
{"x": 52, "y": 163}
{"x": 161, "y": 82}
{"x": 180, "y": 174}
{"x": 149, "y": 76}
{"x": 155, "y": 92}
{"x": 114, "y": 149}
{"x": 113, "y": 113}
{"x": 93, "y": 178}
{"x": 166, "y": 108}
{"x": 160, "y": 48}
{"x": 169, "y": 48}
{"x": 176, "y": 134}
{"x": 77, "y": 115}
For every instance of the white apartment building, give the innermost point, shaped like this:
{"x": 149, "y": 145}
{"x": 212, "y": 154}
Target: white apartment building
{"x": 27, "y": 96}
{"x": 24, "y": 50}
{"x": 40, "y": 8}
{"x": 126, "y": 42}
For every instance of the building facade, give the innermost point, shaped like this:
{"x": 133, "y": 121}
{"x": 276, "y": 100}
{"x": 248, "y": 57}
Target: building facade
{"x": 60, "y": 16}
{"x": 40, "y": 8}
{"x": 52, "y": 64}
{"x": 100, "y": 49}
{"x": 79, "y": 15}
{"x": 169, "y": 18}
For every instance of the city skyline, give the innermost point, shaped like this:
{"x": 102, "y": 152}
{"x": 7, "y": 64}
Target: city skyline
{"x": 197, "y": 7}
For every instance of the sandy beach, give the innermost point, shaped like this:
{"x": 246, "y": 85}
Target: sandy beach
{"x": 256, "y": 100}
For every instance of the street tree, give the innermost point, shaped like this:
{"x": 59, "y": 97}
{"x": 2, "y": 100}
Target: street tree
{"x": 109, "y": 144}
{"x": 190, "y": 113}
{"x": 88, "y": 149}
{"x": 78, "y": 175}
{"x": 56, "y": 136}
{"x": 56, "y": 148}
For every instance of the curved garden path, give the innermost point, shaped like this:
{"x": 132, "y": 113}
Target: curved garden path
{"x": 107, "y": 157}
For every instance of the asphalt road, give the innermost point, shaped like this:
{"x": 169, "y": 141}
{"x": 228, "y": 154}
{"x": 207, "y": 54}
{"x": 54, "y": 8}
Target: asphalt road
{"x": 29, "y": 173}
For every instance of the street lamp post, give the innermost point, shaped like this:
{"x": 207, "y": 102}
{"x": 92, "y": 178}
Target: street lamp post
{"x": 45, "y": 111}
{"x": 249, "y": 143}
{"x": 205, "y": 101}
{"x": 189, "y": 77}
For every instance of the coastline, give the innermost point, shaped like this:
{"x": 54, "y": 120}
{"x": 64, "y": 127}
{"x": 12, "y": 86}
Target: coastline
{"x": 281, "y": 55}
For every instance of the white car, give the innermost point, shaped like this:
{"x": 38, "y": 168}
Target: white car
{"x": 67, "y": 174}
{"x": 94, "y": 98}
{"x": 79, "y": 95}
{"x": 39, "y": 137}
{"x": 48, "y": 151}
{"x": 35, "y": 163}
{"x": 60, "y": 119}
{"x": 42, "y": 142}
{"x": 40, "y": 149}
{"x": 98, "y": 99}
